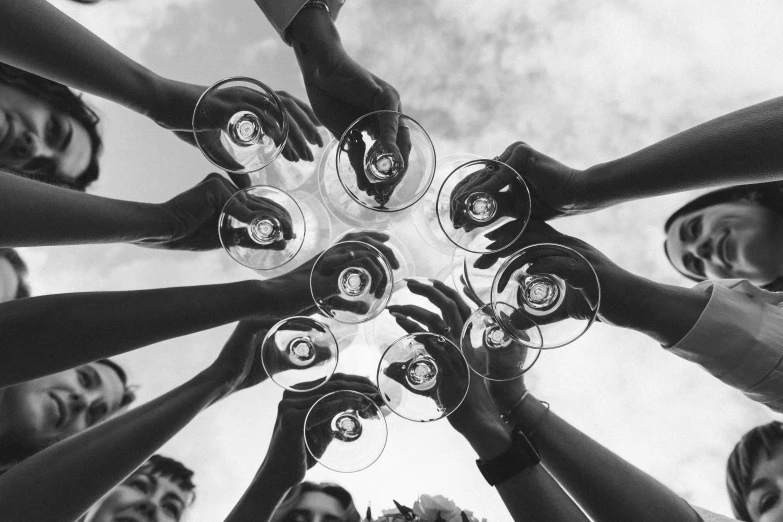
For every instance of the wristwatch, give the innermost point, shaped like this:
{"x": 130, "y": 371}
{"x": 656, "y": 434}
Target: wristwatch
{"x": 522, "y": 454}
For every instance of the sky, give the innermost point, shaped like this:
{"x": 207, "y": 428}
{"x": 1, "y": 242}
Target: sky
{"x": 583, "y": 82}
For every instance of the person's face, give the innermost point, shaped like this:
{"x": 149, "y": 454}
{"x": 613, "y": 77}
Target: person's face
{"x": 765, "y": 500}
{"x": 143, "y": 497}
{"x": 38, "y": 139}
{"x": 9, "y": 281}
{"x": 728, "y": 240}
{"x": 50, "y": 408}
{"x": 315, "y": 506}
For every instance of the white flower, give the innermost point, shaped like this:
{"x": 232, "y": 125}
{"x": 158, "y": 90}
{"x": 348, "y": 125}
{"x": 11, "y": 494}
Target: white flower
{"x": 428, "y": 508}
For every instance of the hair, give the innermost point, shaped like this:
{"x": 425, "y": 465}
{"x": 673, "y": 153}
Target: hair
{"x": 63, "y": 99}
{"x": 333, "y": 490}
{"x": 768, "y": 195}
{"x": 172, "y": 469}
{"x": 761, "y": 441}
{"x": 20, "y": 267}
{"x": 15, "y": 449}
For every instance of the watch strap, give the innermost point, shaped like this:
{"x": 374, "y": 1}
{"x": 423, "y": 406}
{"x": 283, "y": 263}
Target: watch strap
{"x": 521, "y": 455}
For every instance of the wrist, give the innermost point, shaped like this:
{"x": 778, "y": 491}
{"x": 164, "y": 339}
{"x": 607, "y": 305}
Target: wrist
{"x": 595, "y": 187}
{"x": 488, "y": 440}
{"x": 314, "y": 37}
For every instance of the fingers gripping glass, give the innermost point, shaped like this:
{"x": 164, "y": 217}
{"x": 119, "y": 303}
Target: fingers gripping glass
{"x": 493, "y": 353}
{"x": 553, "y": 294}
{"x": 345, "y": 431}
{"x": 299, "y": 353}
{"x": 351, "y": 282}
{"x": 240, "y": 125}
{"x": 423, "y": 377}
{"x": 261, "y": 227}
{"x": 477, "y": 200}
{"x": 380, "y": 167}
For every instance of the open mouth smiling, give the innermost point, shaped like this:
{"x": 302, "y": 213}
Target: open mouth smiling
{"x": 62, "y": 411}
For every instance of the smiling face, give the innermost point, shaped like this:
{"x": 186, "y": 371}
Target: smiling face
{"x": 315, "y": 506}
{"x": 37, "y": 139}
{"x": 45, "y": 410}
{"x": 145, "y": 496}
{"x": 728, "y": 240}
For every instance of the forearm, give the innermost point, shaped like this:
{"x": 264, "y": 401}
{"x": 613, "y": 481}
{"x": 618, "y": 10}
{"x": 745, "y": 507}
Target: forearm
{"x": 80, "y": 470}
{"x": 47, "y": 334}
{"x": 605, "y": 485}
{"x": 37, "y": 214}
{"x": 664, "y": 312}
{"x": 263, "y": 496}
{"x": 531, "y": 494}
{"x": 740, "y": 147}
{"x": 37, "y": 37}
{"x": 312, "y": 33}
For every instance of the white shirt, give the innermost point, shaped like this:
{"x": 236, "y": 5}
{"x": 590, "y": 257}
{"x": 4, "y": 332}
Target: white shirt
{"x": 739, "y": 339}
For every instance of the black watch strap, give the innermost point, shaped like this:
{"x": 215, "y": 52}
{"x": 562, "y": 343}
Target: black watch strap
{"x": 522, "y": 454}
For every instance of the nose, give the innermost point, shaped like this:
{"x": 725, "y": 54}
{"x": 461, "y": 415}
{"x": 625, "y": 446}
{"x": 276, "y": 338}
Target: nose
{"x": 704, "y": 248}
{"x": 147, "y": 509}
{"x": 77, "y": 403}
{"x": 29, "y": 145}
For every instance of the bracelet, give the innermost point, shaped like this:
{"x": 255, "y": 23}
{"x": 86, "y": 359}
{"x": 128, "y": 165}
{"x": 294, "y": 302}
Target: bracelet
{"x": 319, "y": 4}
{"x": 540, "y": 420}
{"x": 515, "y": 406}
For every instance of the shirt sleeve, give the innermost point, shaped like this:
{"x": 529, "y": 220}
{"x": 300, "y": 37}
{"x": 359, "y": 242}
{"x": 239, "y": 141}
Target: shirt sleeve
{"x": 739, "y": 339}
{"x": 280, "y": 13}
{"x": 709, "y": 516}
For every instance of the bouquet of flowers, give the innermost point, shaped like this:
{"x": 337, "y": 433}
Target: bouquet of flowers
{"x": 426, "y": 509}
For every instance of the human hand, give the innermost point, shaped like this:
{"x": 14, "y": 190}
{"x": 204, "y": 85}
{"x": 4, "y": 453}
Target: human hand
{"x": 193, "y": 216}
{"x": 175, "y": 102}
{"x": 287, "y": 453}
{"x": 497, "y": 180}
{"x": 278, "y": 357}
{"x": 554, "y": 187}
{"x": 292, "y": 291}
{"x": 248, "y": 206}
{"x": 617, "y": 286}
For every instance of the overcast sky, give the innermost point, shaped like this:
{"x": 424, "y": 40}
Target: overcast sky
{"x": 584, "y": 82}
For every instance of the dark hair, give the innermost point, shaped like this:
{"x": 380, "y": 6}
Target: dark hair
{"x": 172, "y": 469}
{"x": 20, "y": 267}
{"x": 761, "y": 441}
{"x": 769, "y": 195}
{"x": 65, "y": 100}
{"x": 333, "y": 490}
{"x": 15, "y": 449}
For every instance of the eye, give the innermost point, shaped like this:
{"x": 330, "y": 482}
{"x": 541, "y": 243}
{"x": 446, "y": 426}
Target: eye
{"x": 693, "y": 265}
{"x": 173, "y": 509}
{"x": 139, "y": 484}
{"x": 53, "y": 131}
{"x": 694, "y": 228}
{"x": 96, "y": 413}
{"x": 767, "y": 502}
{"x": 85, "y": 380}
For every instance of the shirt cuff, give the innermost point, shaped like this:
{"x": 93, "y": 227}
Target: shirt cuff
{"x": 739, "y": 340}
{"x": 281, "y": 13}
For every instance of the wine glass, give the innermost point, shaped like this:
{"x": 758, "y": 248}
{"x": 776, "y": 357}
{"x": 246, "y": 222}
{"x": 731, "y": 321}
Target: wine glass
{"x": 549, "y": 310}
{"x": 425, "y": 215}
{"x": 490, "y": 351}
{"x": 390, "y": 240}
{"x": 262, "y": 227}
{"x": 317, "y": 235}
{"x": 478, "y": 198}
{"x": 240, "y": 125}
{"x": 381, "y": 166}
{"x": 351, "y": 282}
{"x": 299, "y": 353}
{"x": 428, "y": 372}
{"x": 345, "y": 431}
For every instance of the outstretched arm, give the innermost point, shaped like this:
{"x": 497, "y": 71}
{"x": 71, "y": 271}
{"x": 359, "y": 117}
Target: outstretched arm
{"x": 530, "y": 495}
{"x": 738, "y": 148}
{"x": 84, "y": 467}
{"x": 605, "y": 485}
{"x": 287, "y": 459}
